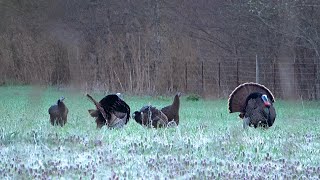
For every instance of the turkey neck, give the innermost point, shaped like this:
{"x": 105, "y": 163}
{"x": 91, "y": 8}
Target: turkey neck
{"x": 176, "y": 103}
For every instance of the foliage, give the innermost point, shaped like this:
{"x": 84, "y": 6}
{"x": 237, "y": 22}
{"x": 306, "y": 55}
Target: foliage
{"x": 158, "y": 46}
{"x": 193, "y": 97}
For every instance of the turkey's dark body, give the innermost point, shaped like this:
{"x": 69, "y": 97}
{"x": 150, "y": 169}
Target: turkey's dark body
{"x": 58, "y": 114}
{"x": 258, "y": 113}
{"x": 255, "y": 104}
{"x": 113, "y": 106}
{"x": 151, "y": 117}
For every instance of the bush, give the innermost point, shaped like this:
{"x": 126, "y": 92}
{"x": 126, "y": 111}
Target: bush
{"x": 193, "y": 97}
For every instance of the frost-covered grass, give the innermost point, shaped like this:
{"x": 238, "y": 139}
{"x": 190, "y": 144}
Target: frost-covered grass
{"x": 209, "y": 143}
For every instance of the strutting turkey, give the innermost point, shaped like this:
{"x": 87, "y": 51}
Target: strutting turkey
{"x": 255, "y": 104}
{"x": 58, "y": 113}
{"x": 111, "y": 111}
{"x": 172, "y": 111}
{"x": 150, "y": 117}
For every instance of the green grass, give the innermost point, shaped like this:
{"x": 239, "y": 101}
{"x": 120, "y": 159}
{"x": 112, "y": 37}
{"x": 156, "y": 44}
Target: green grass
{"x": 209, "y": 143}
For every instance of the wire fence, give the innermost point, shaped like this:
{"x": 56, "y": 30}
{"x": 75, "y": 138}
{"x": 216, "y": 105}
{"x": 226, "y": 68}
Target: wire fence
{"x": 285, "y": 79}
{"x": 215, "y": 78}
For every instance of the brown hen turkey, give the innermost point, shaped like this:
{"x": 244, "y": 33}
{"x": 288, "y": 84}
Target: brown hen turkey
{"x": 172, "y": 111}
{"x": 58, "y": 113}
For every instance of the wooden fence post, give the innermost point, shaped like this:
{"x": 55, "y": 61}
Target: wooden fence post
{"x": 202, "y": 77}
{"x": 296, "y": 91}
{"x": 257, "y": 69}
{"x": 186, "y": 76}
{"x": 274, "y": 76}
{"x": 238, "y": 72}
{"x": 219, "y": 79}
{"x": 315, "y": 81}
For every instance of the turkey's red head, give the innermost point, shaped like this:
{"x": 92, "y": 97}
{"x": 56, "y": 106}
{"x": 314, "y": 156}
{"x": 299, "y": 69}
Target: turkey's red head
{"x": 265, "y": 100}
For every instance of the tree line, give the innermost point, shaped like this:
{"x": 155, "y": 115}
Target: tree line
{"x": 143, "y": 46}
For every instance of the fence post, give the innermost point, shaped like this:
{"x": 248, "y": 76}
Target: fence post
{"x": 186, "y": 76}
{"x": 296, "y": 92}
{"x": 237, "y": 72}
{"x": 171, "y": 78}
{"x": 274, "y": 76}
{"x": 257, "y": 69}
{"x": 202, "y": 77}
{"x": 219, "y": 83}
{"x": 315, "y": 81}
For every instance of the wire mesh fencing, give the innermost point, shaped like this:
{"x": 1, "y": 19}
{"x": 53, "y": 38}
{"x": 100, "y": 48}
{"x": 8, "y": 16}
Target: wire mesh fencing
{"x": 285, "y": 79}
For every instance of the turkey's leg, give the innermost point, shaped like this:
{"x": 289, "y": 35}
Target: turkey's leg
{"x": 246, "y": 122}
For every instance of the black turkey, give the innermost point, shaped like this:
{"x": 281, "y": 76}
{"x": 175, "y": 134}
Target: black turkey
{"x": 255, "y": 104}
{"x": 58, "y": 113}
{"x": 111, "y": 111}
{"x": 150, "y": 117}
{"x": 172, "y": 111}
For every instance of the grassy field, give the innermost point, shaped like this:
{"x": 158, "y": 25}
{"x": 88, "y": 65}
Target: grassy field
{"x": 209, "y": 143}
